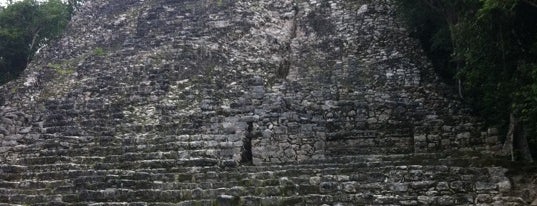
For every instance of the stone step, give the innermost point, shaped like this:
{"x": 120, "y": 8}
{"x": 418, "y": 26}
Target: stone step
{"x": 126, "y": 157}
{"x": 159, "y": 163}
{"x": 373, "y": 182}
{"x": 175, "y": 167}
{"x": 140, "y": 153}
{"x": 24, "y": 199}
{"x": 176, "y": 196}
{"x": 204, "y": 158}
{"x": 361, "y": 198}
{"x": 57, "y": 148}
{"x": 33, "y": 184}
{"x": 54, "y": 163}
{"x": 178, "y": 154}
{"x": 310, "y": 199}
{"x": 31, "y": 191}
{"x": 290, "y": 185}
{"x": 190, "y": 169}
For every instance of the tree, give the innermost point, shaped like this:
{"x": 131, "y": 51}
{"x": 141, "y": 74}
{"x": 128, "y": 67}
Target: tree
{"x": 500, "y": 68}
{"x": 73, "y": 5}
{"x": 25, "y": 26}
{"x": 494, "y": 53}
{"x": 438, "y": 21}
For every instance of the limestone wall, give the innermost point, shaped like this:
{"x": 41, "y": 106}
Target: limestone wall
{"x": 149, "y": 100}
{"x": 298, "y": 80}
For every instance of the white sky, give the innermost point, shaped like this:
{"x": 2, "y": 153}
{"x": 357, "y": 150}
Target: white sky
{"x": 4, "y": 2}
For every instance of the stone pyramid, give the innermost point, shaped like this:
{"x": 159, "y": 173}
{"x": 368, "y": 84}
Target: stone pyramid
{"x": 239, "y": 102}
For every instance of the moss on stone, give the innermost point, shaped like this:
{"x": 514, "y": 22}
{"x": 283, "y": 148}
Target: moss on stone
{"x": 61, "y": 69}
{"x": 99, "y": 52}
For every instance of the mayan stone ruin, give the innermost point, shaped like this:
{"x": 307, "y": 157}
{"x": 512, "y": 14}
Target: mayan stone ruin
{"x": 240, "y": 102}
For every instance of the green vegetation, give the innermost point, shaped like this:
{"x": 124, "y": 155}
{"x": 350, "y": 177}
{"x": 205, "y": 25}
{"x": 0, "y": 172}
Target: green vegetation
{"x": 99, "y": 52}
{"x": 488, "y": 50}
{"x": 61, "y": 70}
{"x": 26, "y": 26}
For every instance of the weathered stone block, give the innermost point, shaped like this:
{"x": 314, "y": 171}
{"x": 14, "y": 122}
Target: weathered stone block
{"x": 504, "y": 186}
{"x": 227, "y": 200}
{"x": 479, "y": 186}
{"x": 328, "y": 187}
{"x": 446, "y": 200}
{"x": 399, "y": 187}
{"x": 483, "y": 198}
{"x": 427, "y": 200}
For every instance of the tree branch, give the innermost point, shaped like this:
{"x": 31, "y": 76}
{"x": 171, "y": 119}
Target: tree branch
{"x": 531, "y": 2}
{"x": 32, "y": 45}
{"x": 509, "y": 141}
{"x": 432, "y": 6}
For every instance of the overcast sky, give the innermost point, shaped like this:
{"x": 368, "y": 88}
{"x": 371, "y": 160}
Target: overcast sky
{"x": 4, "y": 2}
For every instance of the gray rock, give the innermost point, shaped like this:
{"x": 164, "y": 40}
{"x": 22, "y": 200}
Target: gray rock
{"x": 25, "y": 130}
{"x": 3, "y": 131}
{"x": 534, "y": 202}
{"x": 485, "y": 186}
{"x": 427, "y": 200}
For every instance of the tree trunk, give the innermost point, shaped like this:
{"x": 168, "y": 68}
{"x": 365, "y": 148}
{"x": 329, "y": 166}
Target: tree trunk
{"x": 455, "y": 57}
{"x": 516, "y": 144}
{"x": 522, "y": 146}
{"x": 508, "y": 144}
{"x": 33, "y": 44}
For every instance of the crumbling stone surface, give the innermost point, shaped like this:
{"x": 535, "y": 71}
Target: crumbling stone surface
{"x": 228, "y": 102}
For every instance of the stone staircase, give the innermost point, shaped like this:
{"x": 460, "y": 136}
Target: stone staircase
{"x": 163, "y": 178}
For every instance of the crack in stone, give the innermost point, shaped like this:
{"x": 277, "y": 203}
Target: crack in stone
{"x": 285, "y": 65}
{"x": 246, "y": 155}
